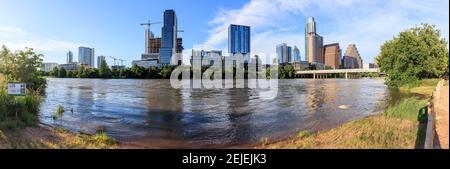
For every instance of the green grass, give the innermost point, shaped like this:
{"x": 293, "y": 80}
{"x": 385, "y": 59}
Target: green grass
{"x": 17, "y": 111}
{"x": 59, "y": 112}
{"x": 303, "y": 133}
{"x": 410, "y": 109}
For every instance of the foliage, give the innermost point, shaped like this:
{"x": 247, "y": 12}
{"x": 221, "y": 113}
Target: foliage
{"x": 62, "y": 73}
{"x": 21, "y": 66}
{"x": 410, "y": 108}
{"x": 286, "y": 71}
{"x": 414, "y": 54}
{"x": 104, "y": 71}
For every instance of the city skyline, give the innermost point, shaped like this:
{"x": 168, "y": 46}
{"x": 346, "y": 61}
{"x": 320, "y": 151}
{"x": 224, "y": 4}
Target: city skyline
{"x": 366, "y": 24}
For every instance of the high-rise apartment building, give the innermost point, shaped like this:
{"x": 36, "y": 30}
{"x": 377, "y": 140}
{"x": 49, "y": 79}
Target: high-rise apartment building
{"x": 238, "y": 39}
{"x": 69, "y": 57}
{"x": 313, "y": 43}
{"x": 284, "y": 53}
{"x": 86, "y": 56}
{"x": 100, "y": 59}
{"x": 332, "y": 54}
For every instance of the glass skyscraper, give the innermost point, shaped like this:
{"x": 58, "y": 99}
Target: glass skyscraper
{"x": 239, "y": 39}
{"x": 296, "y": 54}
{"x": 69, "y": 57}
{"x": 86, "y": 56}
{"x": 169, "y": 37}
{"x": 284, "y": 53}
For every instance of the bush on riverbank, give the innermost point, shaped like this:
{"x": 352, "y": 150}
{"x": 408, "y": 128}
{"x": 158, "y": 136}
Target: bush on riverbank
{"x": 416, "y": 53}
{"x": 20, "y": 66}
{"x": 16, "y": 111}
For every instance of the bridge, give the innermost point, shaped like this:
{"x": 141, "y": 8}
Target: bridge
{"x": 323, "y": 73}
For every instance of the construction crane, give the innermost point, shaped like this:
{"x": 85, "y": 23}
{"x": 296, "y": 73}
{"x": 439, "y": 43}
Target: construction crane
{"x": 121, "y": 61}
{"x": 115, "y": 59}
{"x": 148, "y": 33}
{"x": 149, "y": 23}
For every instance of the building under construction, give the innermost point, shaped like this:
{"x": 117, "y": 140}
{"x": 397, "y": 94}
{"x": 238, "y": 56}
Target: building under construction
{"x": 154, "y": 44}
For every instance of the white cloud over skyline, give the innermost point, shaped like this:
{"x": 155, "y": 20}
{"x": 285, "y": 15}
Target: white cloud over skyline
{"x": 16, "y": 39}
{"x": 365, "y": 23}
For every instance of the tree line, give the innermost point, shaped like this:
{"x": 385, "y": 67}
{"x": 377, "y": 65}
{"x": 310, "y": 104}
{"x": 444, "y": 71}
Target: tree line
{"x": 153, "y": 72}
{"x": 134, "y": 72}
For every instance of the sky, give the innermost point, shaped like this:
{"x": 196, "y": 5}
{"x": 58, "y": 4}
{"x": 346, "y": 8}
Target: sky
{"x": 53, "y": 27}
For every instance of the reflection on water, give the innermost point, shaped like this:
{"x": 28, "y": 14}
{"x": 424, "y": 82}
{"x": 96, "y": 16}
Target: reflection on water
{"x": 150, "y": 112}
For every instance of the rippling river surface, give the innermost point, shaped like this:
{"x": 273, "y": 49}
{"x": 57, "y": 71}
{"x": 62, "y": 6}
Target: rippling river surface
{"x": 152, "y": 113}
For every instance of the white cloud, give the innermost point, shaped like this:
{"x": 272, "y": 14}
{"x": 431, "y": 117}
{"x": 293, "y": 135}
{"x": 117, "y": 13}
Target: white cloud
{"x": 366, "y": 23}
{"x": 16, "y": 38}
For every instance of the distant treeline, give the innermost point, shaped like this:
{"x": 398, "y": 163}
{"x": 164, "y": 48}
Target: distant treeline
{"x": 137, "y": 72}
{"x": 134, "y": 72}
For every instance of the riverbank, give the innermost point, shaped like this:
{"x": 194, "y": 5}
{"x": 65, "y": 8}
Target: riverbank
{"x": 43, "y": 137}
{"x": 400, "y": 127}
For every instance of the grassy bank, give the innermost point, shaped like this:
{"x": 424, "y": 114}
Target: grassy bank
{"x": 40, "y": 137}
{"x": 401, "y": 126}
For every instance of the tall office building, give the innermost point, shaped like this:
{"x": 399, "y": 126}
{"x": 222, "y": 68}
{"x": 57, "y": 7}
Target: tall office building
{"x": 284, "y": 53}
{"x": 238, "y": 39}
{"x": 296, "y": 54}
{"x": 69, "y": 57}
{"x": 332, "y": 54}
{"x": 352, "y": 59}
{"x": 99, "y": 61}
{"x": 86, "y": 56}
{"x": 169, "y": 37}
{"x": 313, "y": 43}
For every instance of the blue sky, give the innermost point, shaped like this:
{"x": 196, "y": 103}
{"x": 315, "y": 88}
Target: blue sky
{"x": 112, "y": 26}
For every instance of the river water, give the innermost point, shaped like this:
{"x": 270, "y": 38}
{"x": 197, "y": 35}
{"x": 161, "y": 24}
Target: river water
{"x": 151, "y": 113}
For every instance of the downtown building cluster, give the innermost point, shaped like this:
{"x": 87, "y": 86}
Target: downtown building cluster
{"x": 167, "y": 49}
{"x": 318, "y": 55}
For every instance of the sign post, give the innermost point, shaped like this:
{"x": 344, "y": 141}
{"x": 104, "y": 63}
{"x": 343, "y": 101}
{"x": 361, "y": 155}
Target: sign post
{"x": 17, "y": 89}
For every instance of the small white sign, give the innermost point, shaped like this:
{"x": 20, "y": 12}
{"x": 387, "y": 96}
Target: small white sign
{"x": 17, "y": 89}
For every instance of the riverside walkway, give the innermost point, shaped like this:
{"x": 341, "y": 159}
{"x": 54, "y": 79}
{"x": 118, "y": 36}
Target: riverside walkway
{"x": 442, "y": 117}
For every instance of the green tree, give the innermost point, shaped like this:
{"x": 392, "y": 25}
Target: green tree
{"x": 414, "y": 54}
{"x": 104, "y": 71}
{"x": 166, "y": 71}
{"x": 22, "y": 66}
{"x": 62, "y": 73}
{"x": 289, "y": 70}
{"x": 152, "y": 72}
{"x": 82, "y": 72}
{"x": 70, "y": 74}
{"x": 55, "y": 72}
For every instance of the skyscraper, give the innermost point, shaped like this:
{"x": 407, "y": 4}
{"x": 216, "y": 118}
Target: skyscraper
{"x": 238, "y": 39}
{"x": 99, "y": 61}
{"x": 313, "y": 43}
{"x": 332, "y": 54}
{"x": 69, "y": 57}
{"x": 352, "y": 59}
{"x": 169, "y": 37}
{"x": 296, "y": 54}
{"x": 284, "y": 53}
{"x": 86, "y": 56}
